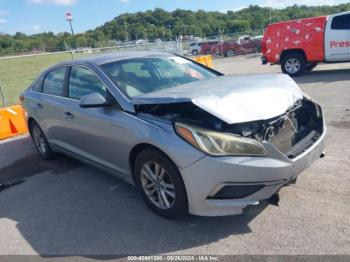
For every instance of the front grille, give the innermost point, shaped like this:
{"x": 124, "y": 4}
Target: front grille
{"x": 298, "y": 130}
{"x": 303, "y": 145}
{"x": 291, "y": 133}
{"x": 283, "y": 136}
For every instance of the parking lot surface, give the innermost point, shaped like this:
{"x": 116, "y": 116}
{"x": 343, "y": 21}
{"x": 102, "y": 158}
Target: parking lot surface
{"x": 64, "y": 207}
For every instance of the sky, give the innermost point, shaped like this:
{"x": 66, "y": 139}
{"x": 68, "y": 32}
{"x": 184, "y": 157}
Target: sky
{"x": 36, "y": 16}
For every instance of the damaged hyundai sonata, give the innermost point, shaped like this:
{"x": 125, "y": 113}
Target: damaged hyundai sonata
{"x": 191, "y": 139}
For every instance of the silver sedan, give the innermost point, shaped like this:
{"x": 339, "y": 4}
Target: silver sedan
{"x": 191, "y": 139}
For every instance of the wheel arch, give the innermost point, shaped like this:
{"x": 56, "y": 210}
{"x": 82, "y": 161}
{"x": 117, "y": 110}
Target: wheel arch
{"x": 30, "y": 121}
{"x": 135, "y": 151}
{"x": 293, "y": 51}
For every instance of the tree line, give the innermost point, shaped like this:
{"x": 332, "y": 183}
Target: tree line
{"x": 161, "y": 24}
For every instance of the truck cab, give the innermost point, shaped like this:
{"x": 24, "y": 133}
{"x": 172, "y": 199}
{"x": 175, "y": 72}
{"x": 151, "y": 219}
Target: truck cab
{"x": 337, "y": 38}
{"x": 299, "y": 45}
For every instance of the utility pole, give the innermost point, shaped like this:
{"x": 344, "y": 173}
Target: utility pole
{"x": 270, "y": 14}
{"x": 145, "y": 34}
{"x": 221, "y": 42}
{"x": 169, "y": 33}
{"x": 126, "y": 32}
{"x": 69, "y": 18}
{"x": 155, "y": 31}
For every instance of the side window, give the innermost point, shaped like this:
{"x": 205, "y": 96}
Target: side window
{"x": 83, "y": 81}
{"x": 37, "y": 84}
{"x": 341, "y": 22}
{"x": 54, "y": 82}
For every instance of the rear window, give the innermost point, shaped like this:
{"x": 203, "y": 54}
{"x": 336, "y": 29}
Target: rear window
{"x": 54, "y": 82}
{"x": 341, "y": 22}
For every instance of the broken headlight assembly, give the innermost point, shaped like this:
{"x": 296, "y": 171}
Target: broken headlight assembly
{"x": 217, "y": 143}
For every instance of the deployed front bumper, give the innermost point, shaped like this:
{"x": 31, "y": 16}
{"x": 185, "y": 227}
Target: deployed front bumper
{"x": 261, "y": 177}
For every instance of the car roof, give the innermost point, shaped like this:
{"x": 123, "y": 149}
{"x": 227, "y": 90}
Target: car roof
{"x": 112, "y": 57}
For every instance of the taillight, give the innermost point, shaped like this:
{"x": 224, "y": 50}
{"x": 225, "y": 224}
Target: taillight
{"x": 263, "y": 47}
{"x": 21, "y": 99}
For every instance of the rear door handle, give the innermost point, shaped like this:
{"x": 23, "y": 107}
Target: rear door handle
{"x": 68, "y": 115}
{"x": 39, "y": 106}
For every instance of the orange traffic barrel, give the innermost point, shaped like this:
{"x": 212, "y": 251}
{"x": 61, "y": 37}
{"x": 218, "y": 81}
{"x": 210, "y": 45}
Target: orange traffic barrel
{"x": 12, "y": 121}
{"x": 205, "y": 60}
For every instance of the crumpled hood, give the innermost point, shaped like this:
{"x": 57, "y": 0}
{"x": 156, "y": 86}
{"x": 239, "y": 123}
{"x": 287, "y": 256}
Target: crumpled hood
{"x": 234, "y": 99}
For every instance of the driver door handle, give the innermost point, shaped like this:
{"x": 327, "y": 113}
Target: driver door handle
{"x": 68, "y": 115}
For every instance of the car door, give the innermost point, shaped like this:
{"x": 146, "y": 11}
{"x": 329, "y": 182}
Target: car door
{"x": 48, "y": 106}
{"x": 337, "y": 38}
{"x": 94, "y": 134}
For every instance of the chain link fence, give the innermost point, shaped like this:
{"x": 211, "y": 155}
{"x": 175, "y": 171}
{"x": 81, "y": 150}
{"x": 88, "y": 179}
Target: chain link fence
{"x": 18, "y": 72}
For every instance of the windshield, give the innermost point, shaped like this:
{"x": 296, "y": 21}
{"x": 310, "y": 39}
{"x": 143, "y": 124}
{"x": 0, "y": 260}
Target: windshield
{"x": 145, "y": 75}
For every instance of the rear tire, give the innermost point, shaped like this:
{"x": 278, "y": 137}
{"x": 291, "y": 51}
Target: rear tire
{"x": 293, "y": 64}
{"x": 310, "y": 67}
{"x": 40, "y": 141}
{"x": 160, "y": 184}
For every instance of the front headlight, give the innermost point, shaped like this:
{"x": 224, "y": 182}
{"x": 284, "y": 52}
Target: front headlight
{"x": 219, "y": 144}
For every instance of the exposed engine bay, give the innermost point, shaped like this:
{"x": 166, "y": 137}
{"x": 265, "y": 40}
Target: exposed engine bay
{"x": 291, "y": 133}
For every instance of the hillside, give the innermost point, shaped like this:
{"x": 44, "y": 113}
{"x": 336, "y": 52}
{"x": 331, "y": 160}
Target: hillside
{"x": 162, "y": 24}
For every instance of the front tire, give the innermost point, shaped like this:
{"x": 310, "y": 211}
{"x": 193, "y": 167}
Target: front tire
{"x": 293, "y": 64}
{"x": 160, "y": 184}
{"x": 230, "y": 53}
{"x": 195, "y": 52}
{"x": 40, "y": 141}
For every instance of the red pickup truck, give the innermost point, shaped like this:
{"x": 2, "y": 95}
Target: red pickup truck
{"x": 299, "y": 45}
{"x": 244, "y": 45}
{"x": 206, "y": 46}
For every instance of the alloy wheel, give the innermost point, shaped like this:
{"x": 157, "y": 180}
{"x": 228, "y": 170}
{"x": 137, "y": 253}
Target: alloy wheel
{"x": 157, "y": 185}
{"x": 292, "y": 65}
{"x": 230, "y": 53}
{"x": 39, "y": 140}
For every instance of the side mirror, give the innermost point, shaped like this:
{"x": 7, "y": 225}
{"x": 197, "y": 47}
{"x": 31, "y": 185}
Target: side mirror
{"x": 93, "y": 100}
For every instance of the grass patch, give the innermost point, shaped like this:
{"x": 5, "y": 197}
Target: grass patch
{"x": 16, "y": 74}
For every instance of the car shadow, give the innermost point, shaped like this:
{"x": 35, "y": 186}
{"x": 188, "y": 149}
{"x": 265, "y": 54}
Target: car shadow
{"x": 325, "y": 76}
{"x": 72, "y": 209}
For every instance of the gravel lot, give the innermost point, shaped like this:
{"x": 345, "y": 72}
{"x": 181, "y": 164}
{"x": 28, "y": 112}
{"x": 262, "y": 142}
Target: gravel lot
{"x": 67, "y": 208}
